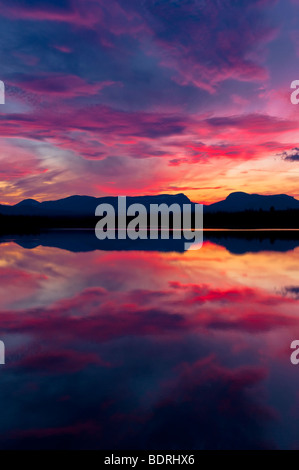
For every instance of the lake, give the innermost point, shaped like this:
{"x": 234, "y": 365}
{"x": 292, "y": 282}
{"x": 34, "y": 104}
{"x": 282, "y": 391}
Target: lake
{"x": 148, "y": 346}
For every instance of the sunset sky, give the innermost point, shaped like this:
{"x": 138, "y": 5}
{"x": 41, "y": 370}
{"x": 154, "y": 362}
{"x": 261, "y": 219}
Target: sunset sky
{"x": 134, "y": 97}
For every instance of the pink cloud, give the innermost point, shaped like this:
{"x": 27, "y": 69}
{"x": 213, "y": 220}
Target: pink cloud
{"x": 76, "y": 13}
{"x": 64, "y": 49}
{"x": 66, "y": 86}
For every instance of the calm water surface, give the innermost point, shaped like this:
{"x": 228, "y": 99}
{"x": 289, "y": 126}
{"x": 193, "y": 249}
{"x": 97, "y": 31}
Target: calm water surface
{"x": 148, "y": 349}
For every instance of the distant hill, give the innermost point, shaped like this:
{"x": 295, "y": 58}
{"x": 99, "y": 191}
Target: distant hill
{"x": 238, "y": 211}
{"x": 84, "y": 206}
{"x": 239, "y": 202}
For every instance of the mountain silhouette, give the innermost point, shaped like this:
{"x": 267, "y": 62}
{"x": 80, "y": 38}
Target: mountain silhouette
{"x": 238, "y": 211}
{"x": 239, "y": 202}
{"x": 84, "y": 206}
